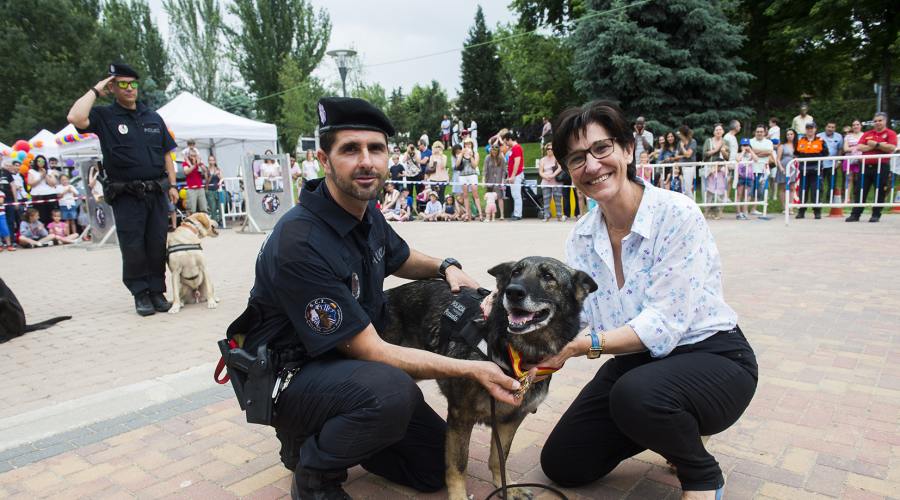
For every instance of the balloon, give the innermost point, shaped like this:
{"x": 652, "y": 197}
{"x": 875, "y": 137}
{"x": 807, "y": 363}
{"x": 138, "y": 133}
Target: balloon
{"x": 30, "y": 156}
{"x": 75, "y": 173}
{"x": 70, "y": 162}
{"x": 173, "y": 155}
{"x": 70, "y": 138}
{"x": 183, "y": 193}
{"x": 21, "y": 146}
{"x": 21, "y": 155}
{"x": 172, "y": 134}
{"x": 39, "y": 144}
{"x": 26, "y": 163}
{"x": 23, "y": 169}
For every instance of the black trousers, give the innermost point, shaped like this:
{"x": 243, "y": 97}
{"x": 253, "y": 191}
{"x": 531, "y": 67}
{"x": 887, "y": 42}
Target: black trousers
{"x": 415, "y": 189}
{"x": 872, "y": 179}
{"x": 141, "y": 229}
{"x": 809, "y": 184}
{"x": 369, "y": 414}
{"x": 637, "y": 402}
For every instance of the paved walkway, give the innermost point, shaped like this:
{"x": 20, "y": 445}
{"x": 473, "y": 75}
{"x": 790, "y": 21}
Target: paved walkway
{"x": 111, "y": 405}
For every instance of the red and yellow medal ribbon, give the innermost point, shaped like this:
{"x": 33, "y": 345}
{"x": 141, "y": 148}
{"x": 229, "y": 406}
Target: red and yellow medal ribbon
{"x": 516, "y": 359}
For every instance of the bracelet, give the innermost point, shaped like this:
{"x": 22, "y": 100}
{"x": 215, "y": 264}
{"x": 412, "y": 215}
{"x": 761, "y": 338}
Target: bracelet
{"x": 96, "y": 92}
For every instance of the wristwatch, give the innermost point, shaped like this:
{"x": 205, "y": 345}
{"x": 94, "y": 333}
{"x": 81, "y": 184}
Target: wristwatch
{"x": 596, "y": 345}
{"x": 447, "y": 263}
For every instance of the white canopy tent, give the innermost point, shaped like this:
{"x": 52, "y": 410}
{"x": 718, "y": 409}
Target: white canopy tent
{"x": 87, "y": 147}
{"x": 224, "y": 134}
{"x": 3, "y": 147}
{"x": 50, "y": 149}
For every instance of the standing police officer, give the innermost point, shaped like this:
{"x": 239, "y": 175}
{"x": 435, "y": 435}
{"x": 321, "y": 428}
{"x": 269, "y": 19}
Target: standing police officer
{"x": 139, "y": 175}
{"x": 318, "y": 295}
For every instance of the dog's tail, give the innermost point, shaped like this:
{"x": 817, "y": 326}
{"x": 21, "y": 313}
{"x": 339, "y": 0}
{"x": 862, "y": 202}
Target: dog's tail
{"x": 45, "y": 324}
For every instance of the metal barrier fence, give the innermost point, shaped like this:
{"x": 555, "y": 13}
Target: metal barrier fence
{"x": 756, "y": 183}
{"x": 885, "y": 179}
{"x": 232, "y": 199}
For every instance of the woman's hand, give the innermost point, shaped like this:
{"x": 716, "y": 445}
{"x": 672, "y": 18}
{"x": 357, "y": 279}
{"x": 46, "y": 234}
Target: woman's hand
{"x": 556, "y": 361}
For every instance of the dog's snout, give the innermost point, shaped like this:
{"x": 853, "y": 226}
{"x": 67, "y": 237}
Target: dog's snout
{"x": 515, "y": 292}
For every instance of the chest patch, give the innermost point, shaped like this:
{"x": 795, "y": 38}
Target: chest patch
{"x": 123, "y": 129}
{"x": 323, "y": 316}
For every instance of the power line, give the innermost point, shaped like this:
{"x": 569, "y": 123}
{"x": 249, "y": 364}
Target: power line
{"x": 517, "y": 35}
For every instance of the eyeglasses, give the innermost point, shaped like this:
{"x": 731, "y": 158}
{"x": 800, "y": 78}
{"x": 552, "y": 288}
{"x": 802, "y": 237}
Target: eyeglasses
{"x": 599, "y": 150}
{"x": 124, "y": 85}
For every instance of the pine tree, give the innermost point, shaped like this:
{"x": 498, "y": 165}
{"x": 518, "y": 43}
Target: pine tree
{"x": 481, "y": 80}
{"x": 667, "y": 61}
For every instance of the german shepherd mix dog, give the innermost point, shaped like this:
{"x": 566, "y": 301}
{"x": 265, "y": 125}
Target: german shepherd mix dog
{"x": 541, "y": 301}
{"x": 12, "y": 317}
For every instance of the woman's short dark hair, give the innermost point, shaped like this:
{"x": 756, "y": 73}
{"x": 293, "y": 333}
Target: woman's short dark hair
{"x": 573, "y": 123}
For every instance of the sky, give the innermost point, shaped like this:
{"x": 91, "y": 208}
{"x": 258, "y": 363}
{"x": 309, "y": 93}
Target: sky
{"x": 391, "y": 30}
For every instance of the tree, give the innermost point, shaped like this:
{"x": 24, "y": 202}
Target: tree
{"x": 197, "y": 32}
{"x": 481, "y": 79}
{"x": 665, "y": 61}
{"x": 299, "y": 114}
{"x": 536, "y": 71}
{"x": 270, "y": 30}
{"x": 426, "y": 107}
{"x": 398, "y": 112}
{"x": 358, "y": 85}
{"x": 536, "y": 13}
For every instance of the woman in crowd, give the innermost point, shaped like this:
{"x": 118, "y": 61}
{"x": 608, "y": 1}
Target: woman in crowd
{"x": 468, "y": 177}
{"x": 667, "y": 157}
{"x": 851, "y": 141}
{"x": 495, "y": 172}
{"x": 786, "y": 153}
{"x": 660, "y": 145}
{"x": 213, "y": 200}
{"x": 310, "y": 166}
{"x": 437, "y": 165}
{"x": 390, "y": 198}
{"x": 683, "y": 368}
{"x": 455, "y": 157}
{"x": 687, "y": 153}
{"x": 43, "y": 183}
{"x": 550, "y": 187}
{"x": 270, "y": 170}
{"x": 712, "y": 151}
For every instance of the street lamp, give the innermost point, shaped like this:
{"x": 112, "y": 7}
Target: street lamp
{"x": 342, "y": 56}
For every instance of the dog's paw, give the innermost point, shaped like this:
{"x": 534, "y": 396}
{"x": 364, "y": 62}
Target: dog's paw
{"x": 518, "y": 493}
{"x": 218, "y": 299}
{"x": 211, "y": 304}
{"x": 174, "y": 309}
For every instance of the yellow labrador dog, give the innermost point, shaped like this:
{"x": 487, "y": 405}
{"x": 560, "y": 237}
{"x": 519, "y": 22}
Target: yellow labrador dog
{"x": 190, "y": 271}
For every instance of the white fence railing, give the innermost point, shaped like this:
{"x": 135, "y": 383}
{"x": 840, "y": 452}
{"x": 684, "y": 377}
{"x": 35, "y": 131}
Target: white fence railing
{"x": 755, "y": 182}
{"x": 232, "y": 199}
{"x": 880, "y": 175}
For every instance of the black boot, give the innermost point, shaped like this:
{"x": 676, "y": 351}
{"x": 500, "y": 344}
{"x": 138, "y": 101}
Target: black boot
{"x": 308, "y": 486}
{"x": 159, "y": 302}
{"x": 142, "y": 304}
{"x": 290, "y": 448}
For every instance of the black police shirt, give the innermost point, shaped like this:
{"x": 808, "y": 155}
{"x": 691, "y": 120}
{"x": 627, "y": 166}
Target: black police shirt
{"x": 133, "y": 142}
{"x": 320, "y": 274}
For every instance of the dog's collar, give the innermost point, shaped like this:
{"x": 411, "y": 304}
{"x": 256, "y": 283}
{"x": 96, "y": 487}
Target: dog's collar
{"x": 189, "y": 224}
{"x": 516, "y": 361}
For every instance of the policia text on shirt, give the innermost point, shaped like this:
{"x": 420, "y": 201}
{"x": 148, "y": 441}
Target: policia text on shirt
{"x": 138, "y": 174}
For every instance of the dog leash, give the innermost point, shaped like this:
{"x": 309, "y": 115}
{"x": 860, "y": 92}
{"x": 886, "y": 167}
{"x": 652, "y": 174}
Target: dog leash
{"x": 503, "y": 486}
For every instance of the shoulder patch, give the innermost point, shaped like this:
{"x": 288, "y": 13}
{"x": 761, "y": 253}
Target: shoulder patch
{"x": 293, "y": 243}
{"x": 323, "y": 315}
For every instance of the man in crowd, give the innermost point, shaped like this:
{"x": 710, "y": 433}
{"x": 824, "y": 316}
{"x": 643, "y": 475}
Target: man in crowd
{"x": 546, "y": 132}
{"x": 515, "y": 174}
{"x": 765, "y": 150}
{"x": 810, "y": 146}
{"x": 643, "y": 138}
{"x": 876, "y": 171}
{"x": 186, "y": 152}
{"x": 834, "y": 144}
{"x": 445, "y": 131}
{"x": 774, "y": 129}
{"x": 424, "y": 137}
{"x": 800, "y": 121}
{"x": 473, "y": 132}
{"x": 139, "y": 175}
{"x": 195, "y": 176}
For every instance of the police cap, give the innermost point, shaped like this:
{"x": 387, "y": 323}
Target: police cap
{"x": 342, "y": 113}
{"x": 122, "y": 69}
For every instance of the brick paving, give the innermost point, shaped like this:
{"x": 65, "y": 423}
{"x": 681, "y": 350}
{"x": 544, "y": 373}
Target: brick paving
{"x": 819, "y": 301}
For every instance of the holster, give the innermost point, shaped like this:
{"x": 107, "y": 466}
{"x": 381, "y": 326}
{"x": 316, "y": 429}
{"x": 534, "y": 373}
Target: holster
{"x": 253, "y": 379}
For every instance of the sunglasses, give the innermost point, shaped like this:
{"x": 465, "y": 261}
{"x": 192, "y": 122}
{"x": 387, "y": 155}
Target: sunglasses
{"x": 599, "y": 150}
{"x": 124, "y": 85}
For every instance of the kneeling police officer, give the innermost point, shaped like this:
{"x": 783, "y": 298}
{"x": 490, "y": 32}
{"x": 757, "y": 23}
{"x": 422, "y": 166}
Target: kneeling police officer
{"x": 139, "y": 175}
{"x": 317, "y": 304}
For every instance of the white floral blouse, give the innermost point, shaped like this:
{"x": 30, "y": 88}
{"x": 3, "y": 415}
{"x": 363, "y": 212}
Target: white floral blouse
{"x": 672, "y": 294}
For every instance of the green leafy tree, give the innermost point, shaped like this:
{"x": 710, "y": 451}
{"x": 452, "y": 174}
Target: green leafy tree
{"x": 537, "y": 13}
{"x": 299, "y": 111}
{"x": 481, "y": 79}
{"x": 358, "y": 84}
{"x": 236, "y": 101}
{"x": 667, "y": 61}
{"x": 268, "y": 31}
{"x": 398, "y": 113}
{"x": 536, "y": 69}
{"x": 200, "y": 53}
{"x": 426, "y": 107}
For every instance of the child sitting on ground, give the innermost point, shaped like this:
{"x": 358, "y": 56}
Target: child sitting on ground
{"x": 4, "y": 226}
{"x": 675, "y": 181}
{"x": 450, "y": 212}
{"x": 60, "y": 229}
{"x": 433, "y": 209}
{"x": 32, "y": 232}
{"x": 400, "y": 212}
{"x": 490, "y": 203}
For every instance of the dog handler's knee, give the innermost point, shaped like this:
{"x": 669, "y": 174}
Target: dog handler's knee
{"x": 397, "y": 395}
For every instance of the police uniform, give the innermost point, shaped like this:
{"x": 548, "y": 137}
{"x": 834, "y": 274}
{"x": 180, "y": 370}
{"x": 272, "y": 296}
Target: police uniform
{"x": 134, "y": 144}
{"x": 319, "y": 282}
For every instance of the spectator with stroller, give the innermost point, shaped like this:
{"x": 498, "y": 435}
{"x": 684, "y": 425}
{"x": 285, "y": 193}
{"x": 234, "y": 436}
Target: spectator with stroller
{"x": 551, "y": 189}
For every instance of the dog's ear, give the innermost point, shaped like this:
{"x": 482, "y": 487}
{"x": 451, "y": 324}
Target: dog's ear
{"x": 584, "y": 285}
{"x": 501, "y": 271}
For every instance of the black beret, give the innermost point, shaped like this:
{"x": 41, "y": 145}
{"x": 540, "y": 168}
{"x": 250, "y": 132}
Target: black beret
{"x": 122, "y": 69}
{"x": 341, "y": 113}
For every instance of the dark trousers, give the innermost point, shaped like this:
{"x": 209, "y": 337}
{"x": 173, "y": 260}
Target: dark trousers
{"x": 371, "y": 414}
{"x": 637, "y": 402}
{"x": 46, "y": 208}
{"x": 809, "y": 184}
{"x": 829, "y": 181}
{"x": 872, "y": 178}
{"x": 141, "y": 229}
{"x": 415, "y": 189}
{"x": 439, "y": 189}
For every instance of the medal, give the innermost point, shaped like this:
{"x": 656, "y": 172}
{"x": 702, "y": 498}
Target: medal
{"x": 123, "y": 129}
{"x": 523, "y": 376}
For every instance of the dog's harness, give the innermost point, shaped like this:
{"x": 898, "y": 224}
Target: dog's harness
{"x": 183, "y": 248}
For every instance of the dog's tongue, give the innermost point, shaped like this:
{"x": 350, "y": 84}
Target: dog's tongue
{"x": 520, "y": 316}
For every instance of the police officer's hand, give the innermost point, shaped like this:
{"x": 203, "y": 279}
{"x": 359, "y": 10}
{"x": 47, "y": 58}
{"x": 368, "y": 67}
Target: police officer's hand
{"x": 501, "y": 386}
{"x": 457, "y": 278}
{"x": 102, "y": 88}
{"x": 173, "y": 195}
